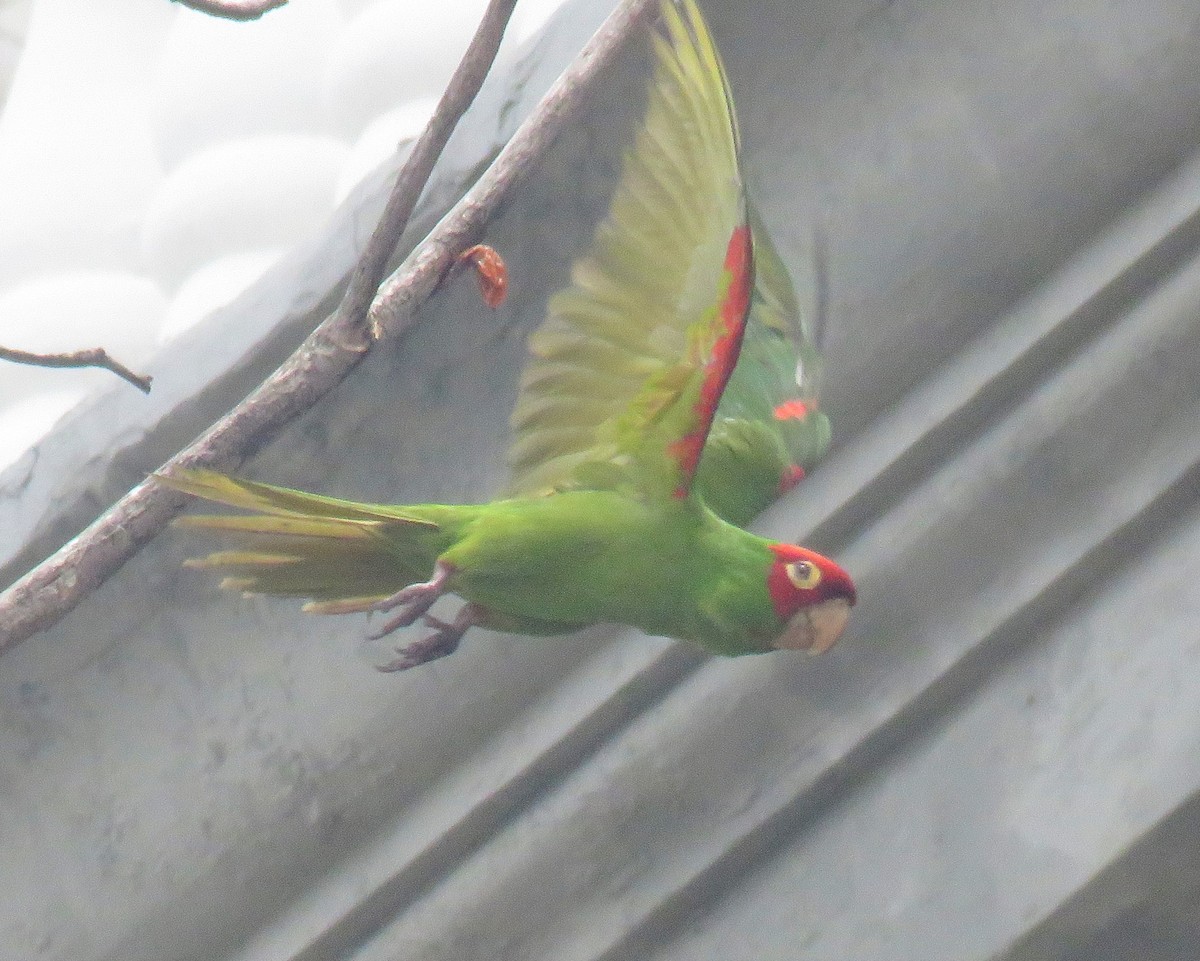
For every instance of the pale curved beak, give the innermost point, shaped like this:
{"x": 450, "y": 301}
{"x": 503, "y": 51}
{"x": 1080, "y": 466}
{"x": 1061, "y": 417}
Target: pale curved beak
{"x": 816, "y": 628}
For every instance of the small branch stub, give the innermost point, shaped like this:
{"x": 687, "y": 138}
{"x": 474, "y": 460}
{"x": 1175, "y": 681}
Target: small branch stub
{"x": 491, "y": 271}
{"x": 94, "y": 357}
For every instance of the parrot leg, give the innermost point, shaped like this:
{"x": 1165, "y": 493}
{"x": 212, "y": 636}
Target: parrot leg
{"x": 414, "y": 601}
{"x": 444, "y": 640}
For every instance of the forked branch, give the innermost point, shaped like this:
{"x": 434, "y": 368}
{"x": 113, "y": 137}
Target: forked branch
{"x": 45, "y": 594}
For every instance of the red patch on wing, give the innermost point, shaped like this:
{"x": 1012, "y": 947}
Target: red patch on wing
{"x": 792, "y": 475}
{"x": 792, "y": 410}
{"x": 493, "y": 274}
{"x": 732, "y": 313}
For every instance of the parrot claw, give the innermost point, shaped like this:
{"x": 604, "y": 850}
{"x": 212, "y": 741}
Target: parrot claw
{"x": 444, "y": 640}
{"x": 414, "y": 601}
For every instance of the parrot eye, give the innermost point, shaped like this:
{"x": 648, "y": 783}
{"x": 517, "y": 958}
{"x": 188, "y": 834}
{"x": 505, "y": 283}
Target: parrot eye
{"x": 804, "y": 574}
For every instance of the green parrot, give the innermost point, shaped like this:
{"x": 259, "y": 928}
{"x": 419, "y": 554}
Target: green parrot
{"x": 641, "y": 444}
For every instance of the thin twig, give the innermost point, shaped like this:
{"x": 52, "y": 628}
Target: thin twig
{"x": 43, "y": 596}
{"x": 460, "y": 92}
{"x": 233, "y": 9}
{"x": 416, "y": 278}
{"x": 94, "y": 357}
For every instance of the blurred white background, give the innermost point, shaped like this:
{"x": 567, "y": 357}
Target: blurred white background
{"x": 154, "y": 161}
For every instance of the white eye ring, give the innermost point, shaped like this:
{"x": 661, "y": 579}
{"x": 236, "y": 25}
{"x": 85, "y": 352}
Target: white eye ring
{"x": 805, "y": 575}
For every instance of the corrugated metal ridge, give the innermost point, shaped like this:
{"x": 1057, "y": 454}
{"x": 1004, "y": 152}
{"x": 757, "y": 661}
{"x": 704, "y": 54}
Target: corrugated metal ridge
{"x": 1156, "y": 861}
{"x": 1038, "y": 603}
{"x": 1039, "y": 346}
{"x": 1037, "y": 337}
{"x": 627, "y": 679}
{"x": 715, "y": 861}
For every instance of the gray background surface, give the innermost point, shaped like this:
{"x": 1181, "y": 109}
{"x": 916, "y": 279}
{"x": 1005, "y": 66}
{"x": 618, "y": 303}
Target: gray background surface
{"x": 1000, "y": 760}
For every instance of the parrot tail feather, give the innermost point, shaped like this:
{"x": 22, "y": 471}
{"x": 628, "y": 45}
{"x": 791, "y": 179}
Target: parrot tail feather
{"x": 270, "y": 524}
{"x": 343, "y": 605}
{"x": 282, "y": 501}
{"x": 342, "y": 555}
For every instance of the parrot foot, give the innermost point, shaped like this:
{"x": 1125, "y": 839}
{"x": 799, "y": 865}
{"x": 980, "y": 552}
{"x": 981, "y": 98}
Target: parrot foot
{"x": 444, "y": 640}
{"x": 415, "y": 600}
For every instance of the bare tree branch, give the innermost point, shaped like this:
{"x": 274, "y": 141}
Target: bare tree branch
{"x": 416, "y": 278}
{"x": 93, "y": 357}
{"x": 45, "y": 594}
{"x": 233, "y": 9}
{"x": 460, "y": 92}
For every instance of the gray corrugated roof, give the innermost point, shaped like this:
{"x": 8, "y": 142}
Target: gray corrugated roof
{"x": 1001, "y": 758}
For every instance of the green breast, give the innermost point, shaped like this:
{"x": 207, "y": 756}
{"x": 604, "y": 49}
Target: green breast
{"x": 581, "y": 557}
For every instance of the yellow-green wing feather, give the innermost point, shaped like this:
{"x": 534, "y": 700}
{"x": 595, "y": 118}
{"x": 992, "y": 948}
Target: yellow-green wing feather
{"x": 627, "y": 369}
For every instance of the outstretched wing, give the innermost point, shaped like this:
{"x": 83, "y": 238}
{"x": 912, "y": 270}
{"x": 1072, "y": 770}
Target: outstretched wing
{"x": 768, "y": 430}
{"x": 627, "y": 370}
